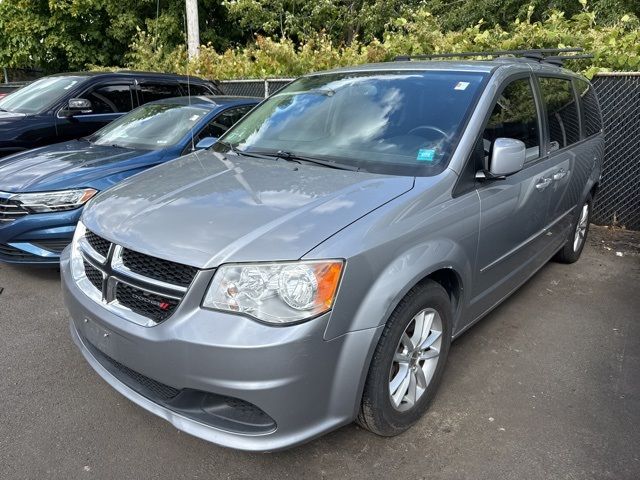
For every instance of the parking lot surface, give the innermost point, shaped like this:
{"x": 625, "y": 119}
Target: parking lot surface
{"x": 546, "y": 386}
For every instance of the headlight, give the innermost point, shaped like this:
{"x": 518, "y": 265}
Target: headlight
{"x": 42, "y": 202}
{"x": 77, "y": 262}
{"x": 276, "y": 292}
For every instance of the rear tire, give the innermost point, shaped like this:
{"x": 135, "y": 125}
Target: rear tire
{"x": 571, "y": 251}
{"x": 408, "y": 362}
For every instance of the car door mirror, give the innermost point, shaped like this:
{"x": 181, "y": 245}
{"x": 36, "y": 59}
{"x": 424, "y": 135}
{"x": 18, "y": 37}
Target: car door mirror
{"x": 78, "y": 105}
{"x": 206, "y": 143}
{"x": 507, "y": 157}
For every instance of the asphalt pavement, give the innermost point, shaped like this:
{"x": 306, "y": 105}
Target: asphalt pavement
{"x": 545, "y": 387}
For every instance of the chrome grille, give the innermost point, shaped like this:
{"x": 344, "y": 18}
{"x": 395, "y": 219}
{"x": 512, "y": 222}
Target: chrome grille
{"x": 144, "y": 289}
{"x": 10, "y": 210}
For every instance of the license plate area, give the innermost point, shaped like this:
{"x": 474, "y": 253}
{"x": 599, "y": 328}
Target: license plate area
{"x": 101, "y": 338}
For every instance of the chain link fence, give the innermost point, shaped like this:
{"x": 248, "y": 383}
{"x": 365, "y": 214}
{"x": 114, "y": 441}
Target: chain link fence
{"x": 618, "y": 201}
{"x": 254, "y": 88}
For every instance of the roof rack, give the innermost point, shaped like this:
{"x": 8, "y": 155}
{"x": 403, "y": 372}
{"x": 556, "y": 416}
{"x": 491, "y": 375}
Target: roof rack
{"x": 558, "y": 60}
{"x": 537, "y": 54}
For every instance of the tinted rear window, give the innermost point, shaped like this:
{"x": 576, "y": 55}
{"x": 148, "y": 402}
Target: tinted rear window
{"x": 151, "y": 91}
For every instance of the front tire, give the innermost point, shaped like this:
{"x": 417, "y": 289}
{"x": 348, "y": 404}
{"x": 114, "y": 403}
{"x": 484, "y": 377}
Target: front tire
{"x": 408, "y": 362}
{"x": 572, "y": 250}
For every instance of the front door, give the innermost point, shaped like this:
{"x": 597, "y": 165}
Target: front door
{"x": 512, "y": 242}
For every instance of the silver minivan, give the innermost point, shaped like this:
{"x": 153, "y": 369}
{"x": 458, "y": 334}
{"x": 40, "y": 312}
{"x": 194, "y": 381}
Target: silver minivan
{"x": 313, "y": 267}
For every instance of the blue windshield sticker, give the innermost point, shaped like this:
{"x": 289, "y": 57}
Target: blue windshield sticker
{"x": 426, "y": 155}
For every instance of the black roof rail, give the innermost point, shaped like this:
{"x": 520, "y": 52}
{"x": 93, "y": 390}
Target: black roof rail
{"x": 559, "y": 60}
{"x": 538, "y": 54}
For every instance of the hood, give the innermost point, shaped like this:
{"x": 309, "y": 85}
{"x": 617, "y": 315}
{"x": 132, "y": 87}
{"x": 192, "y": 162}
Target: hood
{"x": 10, "y": 118}
{"x": 205, "y": 209}
{"x": 66, "y": 165}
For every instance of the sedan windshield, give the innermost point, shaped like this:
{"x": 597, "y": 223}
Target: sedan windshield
{"x": 405, "y": 123}
{"x": 39, "y": 95}
{"x": 150, "y": 127}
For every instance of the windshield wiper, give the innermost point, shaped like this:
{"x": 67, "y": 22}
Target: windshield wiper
{"x": 242, "y": 153}
{"x": 290, "y": 157}
{"x": 293, "y": 157}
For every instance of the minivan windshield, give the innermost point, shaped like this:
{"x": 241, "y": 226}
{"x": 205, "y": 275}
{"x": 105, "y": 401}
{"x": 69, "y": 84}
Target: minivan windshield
{"x": 400, "y": 122}
{"x": 37, "y": 96}
{"x": 150, "y": 127}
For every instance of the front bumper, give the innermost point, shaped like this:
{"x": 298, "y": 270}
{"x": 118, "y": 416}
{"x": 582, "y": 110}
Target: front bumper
{"x": 306, "y": 385}
{"x": 37, "y": 239}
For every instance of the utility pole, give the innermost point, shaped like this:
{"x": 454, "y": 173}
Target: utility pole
{"x": 193, "y": 29}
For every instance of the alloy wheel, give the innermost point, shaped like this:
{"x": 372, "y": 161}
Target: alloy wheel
{"x": 581, "y": 228}
{"x": 415, "y": 359}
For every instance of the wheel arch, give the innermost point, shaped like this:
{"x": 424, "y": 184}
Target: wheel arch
{"x": 450, "y": 279}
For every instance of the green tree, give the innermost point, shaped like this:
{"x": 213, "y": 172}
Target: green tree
{"x": 342, "y": 20}
{"x": 59, "y": 35}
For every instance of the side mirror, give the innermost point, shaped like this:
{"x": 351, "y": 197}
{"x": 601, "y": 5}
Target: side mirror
{"x": 507, "y": 157}
{"x": 206, "y": 143}
{"x": 78, "y": 105}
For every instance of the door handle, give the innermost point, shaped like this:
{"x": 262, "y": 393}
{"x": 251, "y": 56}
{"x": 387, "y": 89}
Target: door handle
{"x": 544, "y": 183}
{"x": 560, "y": 174}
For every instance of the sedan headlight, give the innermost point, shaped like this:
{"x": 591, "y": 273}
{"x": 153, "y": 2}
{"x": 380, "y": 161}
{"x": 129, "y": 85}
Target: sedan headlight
{"x": 44, "y": 202}
{"x": 276, "y": 292}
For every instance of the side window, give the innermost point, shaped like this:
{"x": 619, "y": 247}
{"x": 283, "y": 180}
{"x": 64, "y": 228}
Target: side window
{"x": 223, "y": 122}
{"x": 561, "y": 111}
{"x": 514, "y": 116}
{"x": 110, "y": 99}
{"x": 591, "y": 118}
{"x": 157, "y": 91}
{"x": 195, "y": 89}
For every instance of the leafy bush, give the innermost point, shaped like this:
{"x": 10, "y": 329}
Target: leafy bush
{"x": 615, "y": 46}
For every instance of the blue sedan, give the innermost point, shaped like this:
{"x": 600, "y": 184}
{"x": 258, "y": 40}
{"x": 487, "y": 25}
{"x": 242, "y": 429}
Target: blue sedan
{"x": 42, "y": 191}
